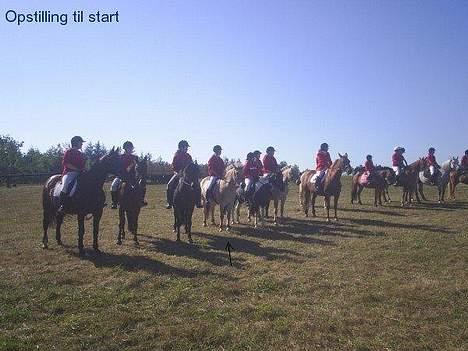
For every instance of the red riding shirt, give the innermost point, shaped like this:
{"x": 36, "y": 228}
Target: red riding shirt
{"x": 216, "y": 166}
{"x": 431, "y": 160}
{"x": 181, "y": 160}
{"x": 397, "y": 159}
{"x": 369, "y": 166}
{"x": 127, "y": 160}
{"x": 464, "y": 162}
{"x": 269, "y": 164}
{"x": 323, "y": 160}
{"x": 74, "y": 157}
{"x": 252, "y": 169}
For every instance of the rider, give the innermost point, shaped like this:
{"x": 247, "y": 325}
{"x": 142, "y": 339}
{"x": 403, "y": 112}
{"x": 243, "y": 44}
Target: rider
{"x": 432, "y": 163}
{"x": 269, "y": 161}
{"x": 216, "y": 169}
{"x": 251, "y": 172}
{"x": 181, "y": 159}
{"x": 73, "y": 163}
{"x": 464, "y": 162}
{"x": 369, "y": 167}
{"x": 323, "y": 162}
{"x": 398, "y": 162}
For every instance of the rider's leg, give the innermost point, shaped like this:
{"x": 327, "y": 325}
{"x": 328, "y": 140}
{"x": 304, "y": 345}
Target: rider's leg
{"x": 170, "y": 190}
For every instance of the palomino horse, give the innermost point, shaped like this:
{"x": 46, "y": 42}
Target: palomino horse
{"x": 223, "y": 194}
{"x": 460, "y": 176}
{"x": 184, "y": 200}
{"x": 409, "y": 181}
{"x": 88, "y": 199}
{"x": 131, "y": 200}
{"x": 442, "y": 178}
{"x": 331, "y": 186}
{"x": 381, "y": 178}
{"x": 279, "y": 195}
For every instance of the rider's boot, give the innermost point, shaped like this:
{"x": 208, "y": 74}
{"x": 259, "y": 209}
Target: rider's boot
{"x": 114, "y": 195}
{"x": 62, "y": 202}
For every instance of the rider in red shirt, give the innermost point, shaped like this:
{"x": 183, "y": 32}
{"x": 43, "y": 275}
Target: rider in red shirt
{"x": 323, "y": 162}
{"x": 432, "y": 163}
{"x": 73, "y": 163}
{"x": 181, "y": 160}
{"x": 398, "y": 162}
{"x": 369, "y": 167}
{"x": 464, "y": 161}
{"x": 216, "y": 169}
{"x": 252, "y": 172}
{"x": 269, "y": 161}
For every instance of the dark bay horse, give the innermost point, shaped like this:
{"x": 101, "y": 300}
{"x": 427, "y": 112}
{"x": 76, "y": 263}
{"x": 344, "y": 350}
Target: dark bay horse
{"x": 88, "y": 199}
{"x": 184, "y": 200}
{"x": 382, "y": 177}
{"x": 262, "y": 197}
{"x": 331, "y": 187}
{"x": 131, "y": 200}
{"x": 409, "y": 181}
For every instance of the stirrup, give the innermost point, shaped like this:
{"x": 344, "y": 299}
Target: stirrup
{"x": 168, "y": 206}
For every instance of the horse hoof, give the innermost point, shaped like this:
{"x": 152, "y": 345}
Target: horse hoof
{"x": 228, "y": 229}
{"x": 335, "y": 219}
{"x": 174, "y": 231}
{"x": 328, "y": 220}
{"x": 59, "y": 242}
{"x": 119, "y": 242}
{"x": 45, "y": 246}
{"x": 190, "y": 241}
{"x": 205, "y": 225}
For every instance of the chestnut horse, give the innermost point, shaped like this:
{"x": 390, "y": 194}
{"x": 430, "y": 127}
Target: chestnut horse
{"x": 409, "y": 181}
{"x": 460, "y": 176}
{"x": 88, "y": 199}
{"x": 131, "y": 200}
{"x": 331, "y": 186}
{"x": 382, "y": 177}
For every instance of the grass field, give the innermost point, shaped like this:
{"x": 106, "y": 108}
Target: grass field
{"x": 378, "y": 279}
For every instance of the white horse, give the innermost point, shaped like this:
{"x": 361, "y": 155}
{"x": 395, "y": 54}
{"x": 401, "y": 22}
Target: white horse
{"x": 223, "y": 194}
{"x": 279, "y": 196}
{"x": 441, "y": 179}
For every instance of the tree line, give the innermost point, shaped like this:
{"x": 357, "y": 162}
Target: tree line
{"x": 14, "y": 161}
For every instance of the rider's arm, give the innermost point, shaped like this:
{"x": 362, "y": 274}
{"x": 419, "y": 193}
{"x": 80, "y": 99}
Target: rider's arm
{"x": 72, "y": 167}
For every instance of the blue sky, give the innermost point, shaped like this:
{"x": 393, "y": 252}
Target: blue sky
{"x": 363, "y": 76}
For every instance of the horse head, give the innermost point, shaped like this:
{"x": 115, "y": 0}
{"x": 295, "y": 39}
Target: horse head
{"x": 454, "y": 163}
{"x": 110, "y": 162}
{"x": 191, "y": 173}
{"x": 345, "y": 164}
{"x": 141, "y": 168}
{"x": 286, "y": 172}
{"x": 232, "y": 174}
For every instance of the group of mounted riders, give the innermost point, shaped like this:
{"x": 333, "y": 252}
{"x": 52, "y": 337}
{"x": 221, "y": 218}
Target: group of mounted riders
{"x": 253, "y": 170}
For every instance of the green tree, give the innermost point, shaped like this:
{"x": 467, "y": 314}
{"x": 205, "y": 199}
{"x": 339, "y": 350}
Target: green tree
{"x": 10, "y": 154}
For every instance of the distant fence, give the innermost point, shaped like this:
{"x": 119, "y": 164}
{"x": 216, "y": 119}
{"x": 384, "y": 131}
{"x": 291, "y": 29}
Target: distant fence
{"x": 38, "y": 178}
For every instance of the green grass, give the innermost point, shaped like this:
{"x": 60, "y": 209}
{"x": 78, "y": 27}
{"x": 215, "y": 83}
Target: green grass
{"x": 382, "y": 278}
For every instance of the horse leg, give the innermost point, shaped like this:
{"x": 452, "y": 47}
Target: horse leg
{"x": 335, "y": 205}
{"x": 275, "y": 214}
{"x": 267, "y": 207}
{"x": 212, "y": 214}
{"x": 174, "y": 230}
{"x": 327, "y": 206}
{"x": 306, "y": 203}
{"x": 282, "y": 202}
{"x": 314, "y": 196}
{"x": 188, "y": 225}
{"x": 237, "y": 212}
{"x": 96, "y": 219}
{"x": 262, "y": 216}
{"x": 228, "y": 214}
{"x": 353, "y": 192}
{"x": 58, "y": 234}
{"x": 360, "y": 189}
{"x": 420, "y": 189}
{"x": 380, "y": 195}
{"x": 133, "y": 225}
{"x": 81, "y": 230}
{"x": 45, "y": 227}
{"x": 375, "y": 197}
{"x": 221, "y": 218}
{"x": 415, "y": 190}
{"x": 121, "y": 225}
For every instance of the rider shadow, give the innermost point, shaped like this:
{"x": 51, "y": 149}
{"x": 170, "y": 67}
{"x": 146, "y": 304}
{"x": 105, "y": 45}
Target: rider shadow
{"x": 196, "y": 251}
{"x": 139, "y": 263}
{"x": 218, "y": 242}
{"x": 380, "y": 223}
{"x": 383, "y": 212}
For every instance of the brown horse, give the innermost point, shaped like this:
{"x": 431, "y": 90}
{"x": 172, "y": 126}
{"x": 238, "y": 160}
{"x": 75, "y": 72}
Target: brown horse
{"x": 331, "y": 187}
{"x": 456, "y": 177}
{"x": 88, "y": 199}
{"x": 409, "y": 181}
{"x": 131, "y": 198}
{"x": 382, "y": 176}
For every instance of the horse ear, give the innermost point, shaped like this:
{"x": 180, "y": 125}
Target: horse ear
{"x": 111, "y": 150}
{"x": 339, "y": 155}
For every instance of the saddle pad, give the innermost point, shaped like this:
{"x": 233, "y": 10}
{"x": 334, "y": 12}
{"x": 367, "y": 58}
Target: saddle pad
{"x": 364, "y": 178}
{"x": 59, "y": 186}
{"x": 315, "y": 176}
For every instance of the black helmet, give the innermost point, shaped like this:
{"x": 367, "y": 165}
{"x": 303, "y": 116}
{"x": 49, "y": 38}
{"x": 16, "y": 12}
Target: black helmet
{"x": 270, "y": 148}
{"x": 369, "y": 156}
{"x": 466, "y": 152}
{"x": 217, "y": 148}
{"x": 250, "y": 156}
{"x": 431, "y": 149}
{"x": 183, "y": 143}
{"x": 256, "y": 152}
{"x": 323, "y": 146}
{"x": 127, "y": 145}
{"x": 76, "y": 139}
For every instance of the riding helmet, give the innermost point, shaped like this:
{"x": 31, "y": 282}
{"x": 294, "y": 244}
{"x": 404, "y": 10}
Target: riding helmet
{"x": 183, "y": 143}
{"x": 76, "y": 139}
{"x": 256, "y": 152}
{"x": 250, "y": 155}
{"x": 431, "y": 149}
{"x": 466, "y": 152}
{"x": 368, "y": 157}
{"x": 270, "y": 148}
{"x": 217, "y": 148}
{"x": 323, "y": 146}
{"x": 127, "y": 145}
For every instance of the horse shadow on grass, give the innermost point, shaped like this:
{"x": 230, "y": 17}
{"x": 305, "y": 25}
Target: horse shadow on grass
{"x": 373, "y": 211}
{"x": 380, "y": 223}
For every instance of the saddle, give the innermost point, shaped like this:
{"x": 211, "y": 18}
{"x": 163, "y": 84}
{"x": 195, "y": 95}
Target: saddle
{"x": 59, "y": 186}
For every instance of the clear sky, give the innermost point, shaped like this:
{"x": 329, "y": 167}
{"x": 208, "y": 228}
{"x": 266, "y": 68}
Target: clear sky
{"x": 363, "y": 76}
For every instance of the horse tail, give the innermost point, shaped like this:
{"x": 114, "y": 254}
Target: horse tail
{"x": 48, "y": 207}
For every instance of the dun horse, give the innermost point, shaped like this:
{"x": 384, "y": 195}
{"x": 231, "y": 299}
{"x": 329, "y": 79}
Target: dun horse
{"x": 89, "y": 198}
{"x": 279, "y": 195}
{"x": 223, "y": 194}
{"x": 184, "y": 200}
{"x": 331, "y": 186}
{"x": 441, "y": 180}
{"x": 130, "y": 202}
{"x": 382, "y": 177}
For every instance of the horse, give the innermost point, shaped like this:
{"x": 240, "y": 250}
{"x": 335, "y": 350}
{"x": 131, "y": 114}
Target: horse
{"x": 130, "y": 199}
{"x": 279, "y": 195}
{"x": 409, "y": 181}
{"x": 89, "y": 198}
{"x": 442, "y": 178}
{"x": 184, "y": 200}
{"x": 224, "y": 194}
{"x": 263, "y": 195}
{"x": 331, "y": 186}
{"x": 456, "y": 177}
{"x": 382, "y": 177}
